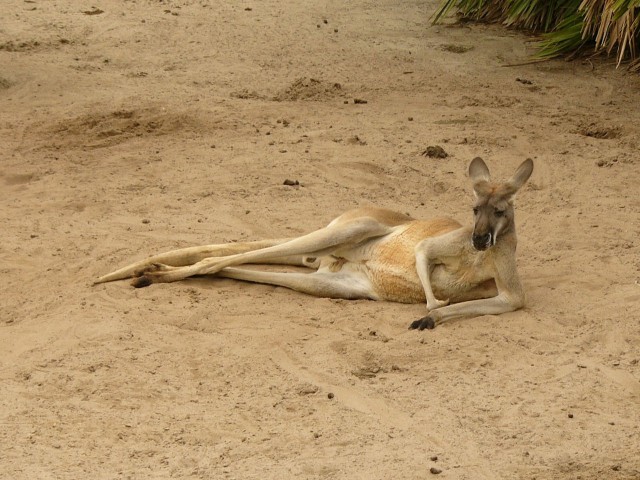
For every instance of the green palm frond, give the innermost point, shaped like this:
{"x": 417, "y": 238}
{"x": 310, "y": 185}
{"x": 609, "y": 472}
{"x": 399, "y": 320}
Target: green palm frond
{"x": 468, "y": 8}
{"x": 566, "y": 38}
{"x": 610, "y": 26}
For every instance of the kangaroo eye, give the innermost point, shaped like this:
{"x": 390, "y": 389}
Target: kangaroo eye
{"x": 475, "y": 210}
{"x": 499, "y": 213}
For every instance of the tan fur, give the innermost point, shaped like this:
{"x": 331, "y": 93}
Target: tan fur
{"x": 381, "y": 255}
{"x": 392, "y": 268}
{"x": 382, "y": 215}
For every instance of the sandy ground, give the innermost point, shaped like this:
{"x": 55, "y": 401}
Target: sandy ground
{"x": 133, "y": 127}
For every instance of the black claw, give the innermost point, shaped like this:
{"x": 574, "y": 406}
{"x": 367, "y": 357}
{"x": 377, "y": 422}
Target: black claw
{"x": 428, "y": 323}
{"x": 143, "y": 281}
{"x": 423, "y": 323}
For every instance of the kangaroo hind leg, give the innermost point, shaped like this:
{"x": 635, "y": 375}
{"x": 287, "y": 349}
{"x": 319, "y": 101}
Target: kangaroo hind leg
{"x": 346, "y": 285}
{"x": 319, "y": 243}
{"x": 190, "y": 255}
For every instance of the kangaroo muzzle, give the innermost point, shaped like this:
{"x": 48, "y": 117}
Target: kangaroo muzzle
{"x": 482, "y": 242}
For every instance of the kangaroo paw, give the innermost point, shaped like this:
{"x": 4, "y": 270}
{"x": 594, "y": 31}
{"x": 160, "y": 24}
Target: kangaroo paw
{"x": 152, "y": 268}
{"x": 423, "y": 323}
{"x": 142, "y": 281}
{"x": 155, "y": 273}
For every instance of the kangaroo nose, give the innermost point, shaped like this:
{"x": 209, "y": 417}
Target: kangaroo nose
{"x": 481, "y": 242}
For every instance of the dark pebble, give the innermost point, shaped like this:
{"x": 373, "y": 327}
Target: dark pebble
{"x": 435, "y": 152}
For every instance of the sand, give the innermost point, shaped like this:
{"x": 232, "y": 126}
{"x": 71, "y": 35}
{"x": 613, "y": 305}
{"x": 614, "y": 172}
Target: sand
{"x": 133, "y": 127}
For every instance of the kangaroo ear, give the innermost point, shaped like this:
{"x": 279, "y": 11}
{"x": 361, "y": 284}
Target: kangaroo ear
{"x": 478, "y": 171}
{"x": 480, "y": 176}
{"x": 521, "y": 176}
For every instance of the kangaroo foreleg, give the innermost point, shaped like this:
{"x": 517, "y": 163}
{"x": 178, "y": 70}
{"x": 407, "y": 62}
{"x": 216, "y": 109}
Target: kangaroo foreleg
{"x": 472, "y": 308}
{"x": 510, "y": 296}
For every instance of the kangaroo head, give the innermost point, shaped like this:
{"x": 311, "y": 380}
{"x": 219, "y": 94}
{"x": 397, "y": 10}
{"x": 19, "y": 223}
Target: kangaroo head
{"x": 493, "y": 209}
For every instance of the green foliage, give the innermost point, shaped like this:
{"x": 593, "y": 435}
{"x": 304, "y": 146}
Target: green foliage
{"x": 565, "y": 39}
{"x": 568, "y": 26}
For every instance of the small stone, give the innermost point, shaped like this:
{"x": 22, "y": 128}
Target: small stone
{"x": 434, "y": 458}
{"x": 146, "y": 221}
{"x": 330, "y": 395}
{"x": 93, "y": 11}
{"x": 435, "y": 471}
{"x": 291, "y": 183}
{"x": 308, "y": 390}
{"x": 570, "y": 415}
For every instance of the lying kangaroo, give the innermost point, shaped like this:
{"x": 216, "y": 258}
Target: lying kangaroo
{"x": 379, "y": 254}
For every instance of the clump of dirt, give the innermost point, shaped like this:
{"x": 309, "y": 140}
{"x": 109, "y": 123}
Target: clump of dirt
{"x": 366, "y": 372}
{"x": 455, "y": 48}
{"x": 245, "y": 94}
{"x": 598, "y": 131}
{"x": 356, "y": 140}
{"x": 93, "y": 11}
{"x": 32, "y": 45}
{"x": 435, "y": 151}
{"x": 309, "y": 89}
{"x": 97, "y": 130}
{"x": 12, "y": 46}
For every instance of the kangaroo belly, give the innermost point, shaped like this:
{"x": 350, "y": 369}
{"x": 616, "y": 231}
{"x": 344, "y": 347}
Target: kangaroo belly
{"x": 392, "y": 265}
{"x": 404, "y": 286}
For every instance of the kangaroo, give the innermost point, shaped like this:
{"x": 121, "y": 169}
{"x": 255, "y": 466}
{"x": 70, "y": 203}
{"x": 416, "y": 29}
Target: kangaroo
{"x": 378, "y": 254}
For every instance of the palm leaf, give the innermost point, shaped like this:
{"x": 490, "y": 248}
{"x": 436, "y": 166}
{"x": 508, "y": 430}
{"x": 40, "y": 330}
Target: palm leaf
{"x": 610, "y": 26}
{"x": 567, "y": 38}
